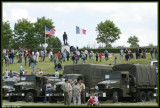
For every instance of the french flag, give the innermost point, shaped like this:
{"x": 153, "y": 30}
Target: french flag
{"x": 80, "y": 31}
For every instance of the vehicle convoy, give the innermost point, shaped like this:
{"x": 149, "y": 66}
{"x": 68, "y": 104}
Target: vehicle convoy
{"x": 8, "y": 85}
{"x": 30, "y": 88}
{"x": 129, "y": 81}
{"x": 90, "y": 74}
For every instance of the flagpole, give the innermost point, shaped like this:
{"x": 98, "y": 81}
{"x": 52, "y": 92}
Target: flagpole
{"x": 45, "y": 39}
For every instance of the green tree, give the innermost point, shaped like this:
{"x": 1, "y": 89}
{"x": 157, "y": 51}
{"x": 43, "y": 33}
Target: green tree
{"x": 53, "y": 42}
{"x": 107, "y": 33}
{"x": 7, "y": 35}
{"x": 133, "y": 40}
{"x": 40, "y": 29}
{"x": 24, "y": 34}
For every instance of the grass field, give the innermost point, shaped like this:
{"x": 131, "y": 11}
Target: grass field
{"x": 48, "y": 66}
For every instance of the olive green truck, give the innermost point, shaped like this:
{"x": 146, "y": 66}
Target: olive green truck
{"x": 91, "y": 74}
{"x": 129, "y": 81}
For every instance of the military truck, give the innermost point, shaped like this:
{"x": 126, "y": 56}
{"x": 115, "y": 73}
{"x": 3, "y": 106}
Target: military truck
{"x": 129, "y": 81}
{"x": 30, "y": 88}
{"x": 91, "y": 74}
{"x": 8, "y": 85}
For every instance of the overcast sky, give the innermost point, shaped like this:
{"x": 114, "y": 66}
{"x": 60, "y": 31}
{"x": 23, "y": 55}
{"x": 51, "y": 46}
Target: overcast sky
{"x": 139, "y": 19}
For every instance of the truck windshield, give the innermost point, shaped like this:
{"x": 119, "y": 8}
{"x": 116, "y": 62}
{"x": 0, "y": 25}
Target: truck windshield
{"x": 112, "y": 76}
{"x": 27, "y": 78}
{"x": 8, "y": 83}
{"x": 73, "y": 77}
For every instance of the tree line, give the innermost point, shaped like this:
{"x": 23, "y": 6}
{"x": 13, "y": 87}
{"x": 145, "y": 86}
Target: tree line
{"x": 29, "y": 35}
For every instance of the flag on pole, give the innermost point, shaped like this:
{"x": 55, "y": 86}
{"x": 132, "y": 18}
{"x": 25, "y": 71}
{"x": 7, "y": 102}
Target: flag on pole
{"x": 80, "y": 31}
{"x": 49, "y": 31}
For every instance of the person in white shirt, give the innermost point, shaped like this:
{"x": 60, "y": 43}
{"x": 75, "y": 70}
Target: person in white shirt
{"x": 57, "y": 74}
{"x": 37, "y": 56}
{"x": 40, "y": 72}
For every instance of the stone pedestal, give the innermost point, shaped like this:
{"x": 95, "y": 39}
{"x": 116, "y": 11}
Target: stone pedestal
{"x": 67, "y": 47}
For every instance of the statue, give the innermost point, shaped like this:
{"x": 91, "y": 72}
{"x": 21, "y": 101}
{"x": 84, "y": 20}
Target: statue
{"x": 65, "y": 38}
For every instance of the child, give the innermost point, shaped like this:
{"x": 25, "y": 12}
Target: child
{"x": 91, "y": 101}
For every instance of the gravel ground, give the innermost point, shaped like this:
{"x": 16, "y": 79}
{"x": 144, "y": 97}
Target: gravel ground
{"x": 23, "y": 103}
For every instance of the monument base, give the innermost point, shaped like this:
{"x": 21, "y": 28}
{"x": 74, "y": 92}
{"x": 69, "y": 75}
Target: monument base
{"x": 67, "y": 47}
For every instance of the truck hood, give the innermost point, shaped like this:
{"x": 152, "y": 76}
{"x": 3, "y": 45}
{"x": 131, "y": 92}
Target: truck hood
{"x": 24, "y": 83}
{"x": 60, "y": 83}
{"x": 109, "y": 82}
{"x": 7, "y": 87}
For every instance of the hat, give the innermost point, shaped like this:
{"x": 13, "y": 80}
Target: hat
{"x": 66, "y": 80}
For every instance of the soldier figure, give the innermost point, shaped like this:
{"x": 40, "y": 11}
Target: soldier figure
{"x": 65, "y": 88}
{"x": 82, "y": 86}
{"x": 65, "y": 38}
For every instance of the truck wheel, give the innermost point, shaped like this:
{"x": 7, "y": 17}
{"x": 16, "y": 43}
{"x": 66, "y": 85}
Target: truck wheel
{"x": 142, "y": 96}
{"x": 150, "y": 96}
{"x": 29, "y": 97}
{"x": 10, "y": 99}
{"x": 115, "y": 97}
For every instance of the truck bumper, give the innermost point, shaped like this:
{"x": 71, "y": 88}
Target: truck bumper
{"x": 16, "y": 94}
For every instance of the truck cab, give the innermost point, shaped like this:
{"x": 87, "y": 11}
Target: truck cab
{"x": 116, "y": 84}
{"x": 29, "y": 88}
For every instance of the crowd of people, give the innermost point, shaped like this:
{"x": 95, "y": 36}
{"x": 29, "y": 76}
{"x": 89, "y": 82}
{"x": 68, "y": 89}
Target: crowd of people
{"x": 31, "y": 58}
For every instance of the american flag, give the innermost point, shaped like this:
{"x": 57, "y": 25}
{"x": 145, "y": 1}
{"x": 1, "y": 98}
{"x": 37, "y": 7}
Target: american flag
{"x": 49, "y": 31}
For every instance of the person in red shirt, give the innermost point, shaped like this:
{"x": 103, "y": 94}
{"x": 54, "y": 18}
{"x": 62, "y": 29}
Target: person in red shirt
{"x": 91, "y": 101}
{"x": 29, "y": 51}
{"x": 100, "y": 55}
{"x": 76, "y": 56}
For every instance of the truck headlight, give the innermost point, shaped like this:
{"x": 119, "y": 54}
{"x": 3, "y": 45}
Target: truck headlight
{"x": 22, "y": 94}
{"x": 62, "y": 94}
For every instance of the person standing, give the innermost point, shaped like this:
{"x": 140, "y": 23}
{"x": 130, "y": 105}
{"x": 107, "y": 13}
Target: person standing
{"x": 76, "y": 93}
{"x": 137, "y": 53}
{"x": 73, "y": 59}
{"x": 51, "y": 55}
{"x": 82, "y": 86}
{"x": 10, "y": 56}
{"x": 96, "y": 56}
{"x": 70, "y": 90}
{"x": 100, "y": 56}
{"x": 47, "y": 91}
{"x": 156, "y": 53}
{"x": 42, "y": 55}
{"x": 82, "y": 57}
{"x": 6, "y": 74}
{"x": 67, "y": 56}
{"x": 37, "y": 54}
{"x": 33, "y": 72}
{"x": 40, "y": 73}
{"x": 86, "y": 52}
{"x": 106, "y": 54}
{"x": 17, "y": 53}
{"x": 34, "y": 58}
{"x": 20, "y": 57}
{"x": 151, "y": 52}
{"x": 121, "y": 54}
{"x": 140, "y": 51}
{"x": 11, "y": 74}
{"x": 144, "y": 52}
{"x": 25, "y": 59}
{"x": 65, "y": 88}
{"x": 126, "y": 56}
{"x": 115, "y": 60}
{"x": 20, "y": 68}
{"x": 57, "y": 74}
{"x": 76, "y": 57}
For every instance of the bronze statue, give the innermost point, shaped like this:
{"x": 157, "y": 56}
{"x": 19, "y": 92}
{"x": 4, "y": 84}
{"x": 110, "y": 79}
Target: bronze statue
{"x": 65, "y": 38}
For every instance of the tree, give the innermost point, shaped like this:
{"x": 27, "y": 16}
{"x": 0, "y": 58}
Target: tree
{"x": 133, "y": 40}
{"x": 53, "y": 42}
{"x": 7, "y": 35}
{"x": 24, "y": 34}
{"x": 40, "y": 29}
{"x": 107, "y": 33}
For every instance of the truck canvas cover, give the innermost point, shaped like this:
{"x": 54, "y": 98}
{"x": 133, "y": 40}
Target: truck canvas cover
{"x": 145, "y": 74}
{"x": 93, "y": 73}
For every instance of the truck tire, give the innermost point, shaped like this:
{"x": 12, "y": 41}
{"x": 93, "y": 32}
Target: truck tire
{"x": 29, "y": 97}
{"x": 142, "y": 96}
{"x": 150, "y": 96}
{"x": 115, "y": 97}
{"x": 11, "y": 99}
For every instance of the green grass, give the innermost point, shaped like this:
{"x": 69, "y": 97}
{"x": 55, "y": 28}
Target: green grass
{"x": 48, "y": 66}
